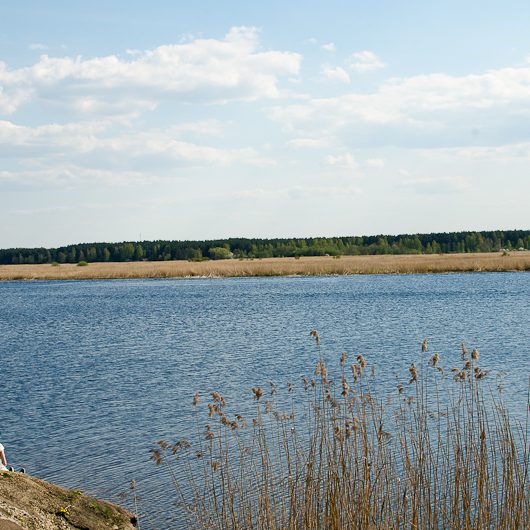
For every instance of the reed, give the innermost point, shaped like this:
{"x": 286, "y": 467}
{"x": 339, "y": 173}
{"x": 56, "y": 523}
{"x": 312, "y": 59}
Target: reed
{"x": 329, "y": 453}
{"x": 304, "y": 266}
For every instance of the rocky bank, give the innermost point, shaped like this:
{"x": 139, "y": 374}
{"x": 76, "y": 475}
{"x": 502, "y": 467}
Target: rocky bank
{"x": 30, "y": 503}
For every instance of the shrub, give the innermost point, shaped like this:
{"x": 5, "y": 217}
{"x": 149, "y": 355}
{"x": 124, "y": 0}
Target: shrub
{"x": 219, "y": 253}
{"x": 82, "y": 264}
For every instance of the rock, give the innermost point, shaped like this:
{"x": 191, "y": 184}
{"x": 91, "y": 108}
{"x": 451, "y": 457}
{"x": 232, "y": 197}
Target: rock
{"x": 9, "y": 525}
{"x": 28, "y": 503}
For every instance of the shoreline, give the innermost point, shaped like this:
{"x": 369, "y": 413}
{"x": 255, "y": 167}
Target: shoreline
{"x": 27, "y": 502}
{"x": 516, "y": 261}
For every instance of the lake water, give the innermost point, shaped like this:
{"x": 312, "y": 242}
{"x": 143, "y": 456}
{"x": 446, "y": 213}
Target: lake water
{"x": 94, "y": 372}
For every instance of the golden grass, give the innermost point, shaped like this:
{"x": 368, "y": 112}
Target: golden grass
{"x": 305, "y": 266}
{"x": 330, "y": 453}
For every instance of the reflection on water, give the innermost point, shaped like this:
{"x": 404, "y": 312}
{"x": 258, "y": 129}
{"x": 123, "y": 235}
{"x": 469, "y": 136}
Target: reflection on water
{"x": 95, "y": 372}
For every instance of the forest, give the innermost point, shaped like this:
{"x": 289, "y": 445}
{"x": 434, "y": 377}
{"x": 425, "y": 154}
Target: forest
{"x": 241, "y": 248}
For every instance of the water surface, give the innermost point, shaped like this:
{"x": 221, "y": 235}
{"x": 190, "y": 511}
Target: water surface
{"x": 94, "y": 372}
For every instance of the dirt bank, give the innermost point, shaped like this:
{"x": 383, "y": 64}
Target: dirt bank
{"x": 29, "y": 503}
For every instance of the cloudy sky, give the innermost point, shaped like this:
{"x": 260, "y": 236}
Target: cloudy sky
{"x": 130, "y": 120}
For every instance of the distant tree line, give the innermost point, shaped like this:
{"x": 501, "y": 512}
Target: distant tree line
{"x": 452, "y": 242}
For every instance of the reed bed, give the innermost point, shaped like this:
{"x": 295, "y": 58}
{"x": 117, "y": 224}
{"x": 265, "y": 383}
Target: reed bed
{"x": 304, "y": 266}
{"x": 329, "y": 453}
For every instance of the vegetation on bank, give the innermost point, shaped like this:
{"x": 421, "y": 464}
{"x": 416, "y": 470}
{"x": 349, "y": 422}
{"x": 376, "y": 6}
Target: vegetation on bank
{"x": 300, "y": 266}
{"x": 331, "y": 451}
{"x": 452, "y": 242}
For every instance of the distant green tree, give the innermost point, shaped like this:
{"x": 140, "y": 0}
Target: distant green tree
{"x": 260, "y": 248}
{"x": 195, "y": 254}
{"x": 126, "y": 251}
{"x": 139, "y": 252}
{"x": 91, "y": 254}
{"x": 435, "y": 246}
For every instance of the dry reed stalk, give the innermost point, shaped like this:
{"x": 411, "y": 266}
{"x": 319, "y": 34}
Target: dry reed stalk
{"x": 341, "y": 459}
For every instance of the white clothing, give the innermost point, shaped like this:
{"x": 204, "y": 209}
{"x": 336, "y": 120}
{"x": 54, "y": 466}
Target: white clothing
{"x": 2, "y": 467}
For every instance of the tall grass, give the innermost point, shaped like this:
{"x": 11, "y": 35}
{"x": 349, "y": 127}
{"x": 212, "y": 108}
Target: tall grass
{"x": 441, "y": 453}
{"x": 304, "y": 266}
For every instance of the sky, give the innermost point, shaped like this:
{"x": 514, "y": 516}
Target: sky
{"x": 135, "y": 120}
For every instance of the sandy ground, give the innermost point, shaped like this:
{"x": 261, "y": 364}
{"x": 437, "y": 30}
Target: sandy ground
{"x": 32, "y": 504}
{"x": 313, "y": 266}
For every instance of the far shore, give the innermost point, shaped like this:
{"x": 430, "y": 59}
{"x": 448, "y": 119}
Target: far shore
{"x": 304, "y": 266}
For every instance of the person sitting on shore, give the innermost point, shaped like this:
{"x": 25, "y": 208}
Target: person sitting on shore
{"x": 3, "y": 461}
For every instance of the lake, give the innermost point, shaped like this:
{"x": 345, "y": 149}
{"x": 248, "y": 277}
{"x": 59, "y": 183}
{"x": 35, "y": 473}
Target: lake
{"x": 95, "y": 372}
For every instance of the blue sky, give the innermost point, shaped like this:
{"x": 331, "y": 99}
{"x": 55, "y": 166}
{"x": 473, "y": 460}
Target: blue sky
{"x": 197, "y": 120}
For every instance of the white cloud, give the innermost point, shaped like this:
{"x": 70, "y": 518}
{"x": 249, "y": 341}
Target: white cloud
{"x": 346, "y": 161}
{"x": 292, "y": 192}
{"x": 42, "y": 211}
{"x": 438, "y": 109}
{"x": 70, "y": 176}
{"x": 308, "y": 192}
{"x": 163, "y": 144}
{"x": 309, "y": 143}
{"x": 335, "y": 74}
{"x": 38, "y": 46}
{"x": 516, "y": 151}
{"x": 189, "y": 37}
{"x": 257, "y": 193}
{"x": 109, "y": 106}
{"x": 329, "y": 47}
{"x": 73, "y": 153}
{"x": 365, "y": 61}
{"x": 233, "y": 68}
{"x": 46, "y": 140}
{"x": 209, "y": 127}
{"x": 68, "y": 140}
{"x": 436, "y": 185}
{"x": 12, "y": 99}
{"x": 375, "y": 163}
